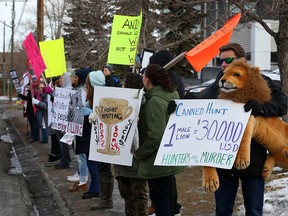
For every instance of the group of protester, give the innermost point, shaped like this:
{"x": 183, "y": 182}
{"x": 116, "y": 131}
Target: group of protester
{"x": 143, "y": 177}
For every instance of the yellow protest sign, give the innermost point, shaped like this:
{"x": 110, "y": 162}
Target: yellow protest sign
{"x": 54, "y": 57}
{"x": 124, "y": 39}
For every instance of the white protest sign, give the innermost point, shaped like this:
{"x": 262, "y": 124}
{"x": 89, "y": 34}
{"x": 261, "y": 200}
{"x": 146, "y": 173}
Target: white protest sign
{"x": 204, "y": 133}
{"x": 112, "y": 133}
{"x": 66, "y": 111}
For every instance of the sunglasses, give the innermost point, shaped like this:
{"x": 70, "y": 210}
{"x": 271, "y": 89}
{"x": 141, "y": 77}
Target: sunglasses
{"x": 228, "y": 60}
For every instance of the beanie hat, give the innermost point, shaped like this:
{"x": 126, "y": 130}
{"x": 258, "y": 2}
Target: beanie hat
{"x": 97, "y": 78}
{"x": 82, "y": 74}
{"x": 161, "y": 58}
{"x": 109, "y": 67}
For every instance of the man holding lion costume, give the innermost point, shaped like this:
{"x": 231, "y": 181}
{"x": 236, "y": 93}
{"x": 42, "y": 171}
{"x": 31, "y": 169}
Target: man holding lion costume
{"x": 249, "y": 171}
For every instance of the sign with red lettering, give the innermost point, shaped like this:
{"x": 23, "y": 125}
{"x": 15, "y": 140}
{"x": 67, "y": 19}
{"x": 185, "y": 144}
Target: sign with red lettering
{"x": 115, "y": 112}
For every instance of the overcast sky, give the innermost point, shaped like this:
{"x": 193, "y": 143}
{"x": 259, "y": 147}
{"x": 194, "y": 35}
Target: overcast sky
{"x": 21, "y": 8}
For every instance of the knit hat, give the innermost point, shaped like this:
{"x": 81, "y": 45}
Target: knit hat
{"x": 161, "y": 58}
{"x": 97, "y": 78}
{"x": 109, "y": 67}
{"x": 82, "y": 74}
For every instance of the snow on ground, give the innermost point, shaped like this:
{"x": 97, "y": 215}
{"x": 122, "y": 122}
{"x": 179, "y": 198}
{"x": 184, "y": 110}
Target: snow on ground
{"x": 275, "y": 197}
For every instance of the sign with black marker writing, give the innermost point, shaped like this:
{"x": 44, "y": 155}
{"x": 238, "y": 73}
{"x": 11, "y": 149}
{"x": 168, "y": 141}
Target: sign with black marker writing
{"x": 204, "y": 133}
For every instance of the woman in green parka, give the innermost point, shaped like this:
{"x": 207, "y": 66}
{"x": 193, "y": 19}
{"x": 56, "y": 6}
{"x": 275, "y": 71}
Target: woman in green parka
{"x": 153, "y": 119}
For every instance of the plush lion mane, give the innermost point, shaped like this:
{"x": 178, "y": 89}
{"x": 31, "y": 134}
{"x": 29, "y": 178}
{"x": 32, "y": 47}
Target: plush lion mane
{"x": 248, "y": 82}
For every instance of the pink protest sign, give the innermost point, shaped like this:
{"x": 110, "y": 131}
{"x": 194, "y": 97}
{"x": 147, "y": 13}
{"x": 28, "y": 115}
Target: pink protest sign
{"x": 34, "y": 55}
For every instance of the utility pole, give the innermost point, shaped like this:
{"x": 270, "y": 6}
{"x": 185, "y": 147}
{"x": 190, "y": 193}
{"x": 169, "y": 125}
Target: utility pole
{"x": 4, "y": 62}
{"x": 12, "y": 51}
{"x": 40, "y": 20}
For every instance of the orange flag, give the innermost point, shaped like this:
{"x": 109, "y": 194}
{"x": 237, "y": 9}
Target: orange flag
{"x": 200, "y": 55}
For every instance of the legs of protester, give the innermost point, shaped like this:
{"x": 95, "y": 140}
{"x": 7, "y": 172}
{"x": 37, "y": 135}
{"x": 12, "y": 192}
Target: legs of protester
{"x": 226, "y": 194}
{"x": 33, "y": 125}
{"x": 177, "y": 206}
{"x": 65, "y": 153}
{"x": 94, "y": 188}
{"x": 161, "y": 194}
{"x": 44, "y": 137}
{"x": 253, "y": 194}
{"x": 82, "y": 182}
{"x": 134, "y": 193}
{"x": 106, "y": 186}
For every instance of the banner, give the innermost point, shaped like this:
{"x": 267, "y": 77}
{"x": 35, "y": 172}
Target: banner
{"x": 54, "y": 57}
{"x": 66, "y": 114}
{"x": 115, "y": 123}
{"x": 34, "y": 55}
{"x": 203, "y": 133}
{"x": 200, "y": 55}
{"x": 124, "y": 39}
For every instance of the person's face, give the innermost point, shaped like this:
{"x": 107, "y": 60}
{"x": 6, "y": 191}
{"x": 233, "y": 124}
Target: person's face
{"x": 41, "y": 88}
{"x": 145, "y": 82}
{"x": 106, "y": 72}
{"x": 74, "y": 80}
{"x": 227, "y": 57}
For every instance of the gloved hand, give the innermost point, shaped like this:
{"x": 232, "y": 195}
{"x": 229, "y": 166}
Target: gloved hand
{"x": 92, "y": 118}
{"x": 85, "y": 111}
{"x": 171, "y": 107}
{"x": 20, "y": 95}
{"x": 257, "y": 108}
{"x": 35, "y": 101}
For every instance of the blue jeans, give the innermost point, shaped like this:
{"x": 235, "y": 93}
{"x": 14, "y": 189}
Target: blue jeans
{"x": 83, "y": 168}
{"x": 252, "y": 190}
{"x": 44, "y": 137}
{"x": 93, "y": 170}
{"x": 162, "y": 195}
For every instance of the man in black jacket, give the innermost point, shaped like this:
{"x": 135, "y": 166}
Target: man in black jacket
{"x": 251, "y": 179}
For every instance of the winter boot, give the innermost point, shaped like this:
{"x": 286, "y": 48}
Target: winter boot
{"x": 106, "y": 187}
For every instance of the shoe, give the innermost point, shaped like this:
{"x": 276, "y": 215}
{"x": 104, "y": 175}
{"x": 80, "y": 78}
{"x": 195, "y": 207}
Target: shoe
{"x": 73, "y": 178}
{"x": 44, "y": 142}
{"x": 103, "y": 204}
{"x": 52, "y": 163}
{"x": 151, "y": 210}
{"x": 90, "y": 195}
{"x": 61, "y": 166}
{"x": 75, "y": 187}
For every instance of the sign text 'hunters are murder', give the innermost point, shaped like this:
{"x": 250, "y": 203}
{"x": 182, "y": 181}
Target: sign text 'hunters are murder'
{"x": 203, "y": 133}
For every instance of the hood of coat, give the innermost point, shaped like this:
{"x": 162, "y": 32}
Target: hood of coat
{"x": 158, "y": 91}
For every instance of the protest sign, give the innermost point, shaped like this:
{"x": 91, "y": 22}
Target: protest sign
{"x": 124, "y": 39}
{"x": 203, "y": 132}
{"x": 115, "y": 123}
{"x": 15, "y": 81}
{"x": 200, "y": 55}
{"x": 34, "y": 55}
{"x": 54, "y": 57}
{"x": 66, "y": 114}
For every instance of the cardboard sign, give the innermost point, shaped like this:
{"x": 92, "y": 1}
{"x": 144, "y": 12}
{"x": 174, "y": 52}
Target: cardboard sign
{"x": 34, "y": 55}
{"x": 116, "y": 112}
{"x": 203, "y": 132}
{"x": 124, "y": 39}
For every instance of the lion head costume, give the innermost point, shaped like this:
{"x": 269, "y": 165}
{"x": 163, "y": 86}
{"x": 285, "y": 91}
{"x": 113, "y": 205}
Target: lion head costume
{"x": 241, "y": 83}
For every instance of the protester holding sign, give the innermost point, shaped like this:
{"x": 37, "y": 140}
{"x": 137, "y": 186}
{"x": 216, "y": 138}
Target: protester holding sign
{"x": 153, "y": 118}
{"x": 133, "y": 189}
{"x": 251, "y": 179}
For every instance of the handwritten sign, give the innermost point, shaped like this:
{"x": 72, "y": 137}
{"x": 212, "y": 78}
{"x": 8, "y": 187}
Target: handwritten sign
{"x": 34, "y": 55}
{"x": 124, "y": 39}
{"x": 203, "y": 132}
{"x": 15, "y": 80}
{"x": 115, "y": 124}
{"x": 200, "y": 55}
{"x": 54, "y": 57}
{"x": 66, "y": 114}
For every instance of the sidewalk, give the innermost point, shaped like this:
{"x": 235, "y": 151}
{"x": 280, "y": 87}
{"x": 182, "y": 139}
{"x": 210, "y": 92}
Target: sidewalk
{"x": 70, "y": 203}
